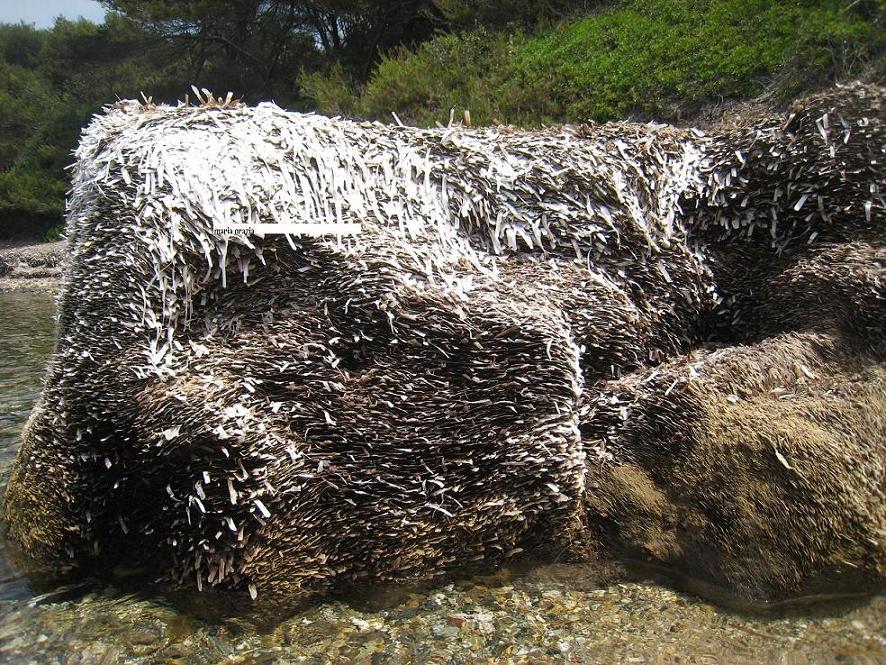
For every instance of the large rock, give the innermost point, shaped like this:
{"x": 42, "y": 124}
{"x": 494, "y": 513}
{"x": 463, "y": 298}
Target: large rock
{"x": 626, "y": 338}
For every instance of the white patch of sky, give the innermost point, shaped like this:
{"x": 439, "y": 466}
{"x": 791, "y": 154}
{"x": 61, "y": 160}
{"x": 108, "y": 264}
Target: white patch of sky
{"x": 42, "y": 13}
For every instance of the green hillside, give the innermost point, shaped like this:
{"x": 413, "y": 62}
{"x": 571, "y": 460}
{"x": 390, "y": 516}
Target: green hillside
{"x": 648, "y": 58}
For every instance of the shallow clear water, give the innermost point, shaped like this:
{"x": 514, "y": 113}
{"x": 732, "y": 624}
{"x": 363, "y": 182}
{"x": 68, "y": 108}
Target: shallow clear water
{"x": 26, "y": 340}
{"x": 525, "y": 613}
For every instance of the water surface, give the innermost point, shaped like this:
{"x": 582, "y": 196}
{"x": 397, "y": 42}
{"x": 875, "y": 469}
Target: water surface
{"x": 523, "y": 613}
{"x": 27, "y": 336}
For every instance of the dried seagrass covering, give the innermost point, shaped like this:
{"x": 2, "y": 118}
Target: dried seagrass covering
{"x": 283, "y": 413}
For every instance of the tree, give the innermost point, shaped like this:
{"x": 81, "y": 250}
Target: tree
{"x": 258, "y": 47}
{"x": 51, "y": 82}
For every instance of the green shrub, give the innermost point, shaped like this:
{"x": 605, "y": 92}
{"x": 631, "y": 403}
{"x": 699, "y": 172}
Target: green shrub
{"x": 450, "y": 72}
{"x": 670, "y": 57}
{"x": 645, "y": 58}
{"x": 332, "y": 91}
{"x": 57, "y": 232}
{"x": 501, "y": 13}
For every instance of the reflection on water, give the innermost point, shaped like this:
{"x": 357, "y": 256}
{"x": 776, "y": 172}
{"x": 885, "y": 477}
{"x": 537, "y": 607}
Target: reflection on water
{"x": 27, "y": 335}
{"x": 544, "y": 613}
{"x": 26, "y": 338}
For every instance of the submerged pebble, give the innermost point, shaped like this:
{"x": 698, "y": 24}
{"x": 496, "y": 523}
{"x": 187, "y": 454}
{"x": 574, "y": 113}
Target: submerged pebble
{"x": 546, "y": 614}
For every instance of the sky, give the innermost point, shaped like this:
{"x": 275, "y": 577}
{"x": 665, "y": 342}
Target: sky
{"x": 43, "y": 12}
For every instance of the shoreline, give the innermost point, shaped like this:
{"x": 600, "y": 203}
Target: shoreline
{"x": 31, "y": 265}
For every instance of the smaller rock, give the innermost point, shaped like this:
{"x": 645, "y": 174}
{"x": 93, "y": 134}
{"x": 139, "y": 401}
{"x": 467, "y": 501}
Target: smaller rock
{"x": 442, "y": 630}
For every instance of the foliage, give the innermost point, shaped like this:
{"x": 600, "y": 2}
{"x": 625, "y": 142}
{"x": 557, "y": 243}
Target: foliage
{"x": 451, "y": 71}
{"x": 56, "y": 232}
{"x": 256, "y": 47}
{"x": 333, "y": 91}
{"x": 643, "y": 58}
{"x": 523, "y": 13}
{"x": 692, "y": 53}
{"x": 51, "y": 82}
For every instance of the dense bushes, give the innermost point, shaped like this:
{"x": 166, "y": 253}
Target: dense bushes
{"x": 667, "y": 57}
{"x": 662, "y": 58}
{"x": 456, "y": 70}
{"x": 51, "y": 82}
